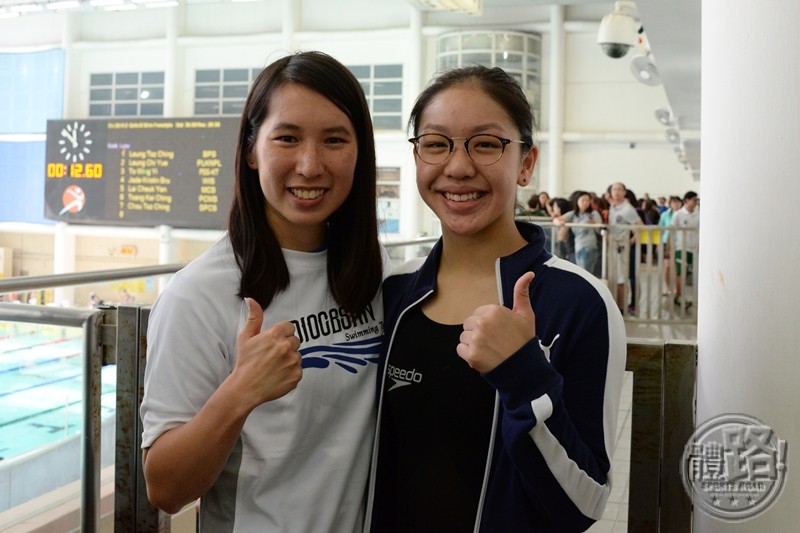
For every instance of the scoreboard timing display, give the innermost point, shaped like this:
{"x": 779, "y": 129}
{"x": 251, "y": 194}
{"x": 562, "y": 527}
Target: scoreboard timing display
{"x": 141, "y": 172}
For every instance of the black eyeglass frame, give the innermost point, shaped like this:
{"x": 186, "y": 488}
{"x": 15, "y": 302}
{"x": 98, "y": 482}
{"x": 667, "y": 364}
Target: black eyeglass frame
{"x": 452, "y": 141}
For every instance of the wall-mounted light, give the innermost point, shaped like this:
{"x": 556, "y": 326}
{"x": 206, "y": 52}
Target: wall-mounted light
{"x": 664, "y": 116}
{"x": 644, "y": 70}
{"x": 673, "y": 136}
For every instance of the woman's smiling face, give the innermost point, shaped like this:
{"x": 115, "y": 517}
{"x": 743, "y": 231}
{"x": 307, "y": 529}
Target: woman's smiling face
{"x": 305, "y": 154}
{"x": 469, "y": 198}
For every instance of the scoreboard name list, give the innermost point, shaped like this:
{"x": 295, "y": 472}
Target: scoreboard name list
{"x": 176, "y": 172}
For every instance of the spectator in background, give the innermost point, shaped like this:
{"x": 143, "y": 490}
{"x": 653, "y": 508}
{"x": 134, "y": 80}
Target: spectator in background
{"x": 587, "y": 250}
{"x": 561, "y": 245}
{"x": 601, "y": 205}
{"x": 621, "y": 213}
{"x": 651, "y": 213}
{"x": 650, "y": 239}
{"x": 544, "y": 202}
{"x": 687, "y": 218}
{"x": 665, "y": 221}
{"x": 94, "y": 300}
{"x": 125, "y": 297}
{"x": 535, "y": 208}
{"x": 637, "y": 205}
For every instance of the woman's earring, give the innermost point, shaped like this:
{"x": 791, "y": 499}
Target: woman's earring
{"x": 251, "y": 162}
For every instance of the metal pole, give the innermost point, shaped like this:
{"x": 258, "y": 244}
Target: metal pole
{"x": 90, "y": 444}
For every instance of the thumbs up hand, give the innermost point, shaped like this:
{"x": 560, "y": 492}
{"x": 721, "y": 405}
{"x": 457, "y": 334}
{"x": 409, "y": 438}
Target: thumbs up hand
{"x": 493, "y": 332}
{"x": 268, "y": 365}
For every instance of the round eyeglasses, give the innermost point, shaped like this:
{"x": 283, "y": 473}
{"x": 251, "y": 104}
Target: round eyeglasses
{"x": 483, "y": 148}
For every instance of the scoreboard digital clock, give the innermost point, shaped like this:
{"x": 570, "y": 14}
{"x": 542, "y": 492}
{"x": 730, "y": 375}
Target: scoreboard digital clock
{"x": 75, "y": 170}
{"x": 142, "y": 172}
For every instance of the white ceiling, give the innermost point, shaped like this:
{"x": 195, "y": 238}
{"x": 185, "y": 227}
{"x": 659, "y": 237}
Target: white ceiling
{"x": 673, "y": 32}
{"x": 672, "y": 28}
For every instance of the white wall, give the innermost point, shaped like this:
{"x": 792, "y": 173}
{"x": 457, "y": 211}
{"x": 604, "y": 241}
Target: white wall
{"x": 606, "y": 110}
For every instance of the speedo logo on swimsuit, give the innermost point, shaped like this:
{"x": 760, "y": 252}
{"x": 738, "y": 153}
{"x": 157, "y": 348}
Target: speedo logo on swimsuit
{"x": 402, "y": 377}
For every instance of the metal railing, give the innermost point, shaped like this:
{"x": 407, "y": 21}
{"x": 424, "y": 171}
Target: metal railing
{"x": 654, "y": 275}
{"x": 664, "y": 380}
{"x": 97, "y": 350}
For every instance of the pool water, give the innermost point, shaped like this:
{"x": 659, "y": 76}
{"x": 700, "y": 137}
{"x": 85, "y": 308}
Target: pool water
{"x": 41, "y": 386}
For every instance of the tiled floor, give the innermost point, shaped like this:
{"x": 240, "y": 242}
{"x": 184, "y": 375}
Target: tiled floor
{"x": 615, "y": 518}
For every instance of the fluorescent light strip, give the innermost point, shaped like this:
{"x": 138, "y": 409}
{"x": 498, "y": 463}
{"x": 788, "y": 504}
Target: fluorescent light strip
{"x": 121, "y": 7}
{"x": 105, "y": 3}
{"x": 27, "y": 8}
{"x": 168, "y": 3}
{"x": 63, "y": 4}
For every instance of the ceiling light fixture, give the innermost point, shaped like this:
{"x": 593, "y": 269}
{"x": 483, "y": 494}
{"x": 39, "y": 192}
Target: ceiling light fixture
{"x": 63, "y": 4}
{"x": 673, "y": 136}
{"x": 644, "y": 70}
{"x": 470, "y": 7}
{"x": 120, "y": 7}
{"x": 664, "y": 116}
{"x": 27, "y": 8}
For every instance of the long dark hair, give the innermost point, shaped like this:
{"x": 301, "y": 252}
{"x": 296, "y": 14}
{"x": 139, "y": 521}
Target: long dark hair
{"x": 500, "y": 87}
{"x": 355, "y": 265}
{"x": 575, "y": 196}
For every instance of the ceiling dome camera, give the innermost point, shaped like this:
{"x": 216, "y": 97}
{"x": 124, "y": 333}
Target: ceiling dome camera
{"x": 618, "y": 31}
{"x": 615, "y": 50}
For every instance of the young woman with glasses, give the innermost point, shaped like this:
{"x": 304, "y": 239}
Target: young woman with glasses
{"x": 502, "y": 364}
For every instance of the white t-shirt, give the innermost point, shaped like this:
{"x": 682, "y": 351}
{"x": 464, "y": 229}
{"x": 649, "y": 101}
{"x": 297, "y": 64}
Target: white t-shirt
{"x": 684, "y": 219}
{"x": 302, "y": 461}
{"x": 623, "y": 213}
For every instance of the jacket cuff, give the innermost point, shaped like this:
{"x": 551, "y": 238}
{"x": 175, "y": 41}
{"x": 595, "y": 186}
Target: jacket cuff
{"x": 525, "y": 376}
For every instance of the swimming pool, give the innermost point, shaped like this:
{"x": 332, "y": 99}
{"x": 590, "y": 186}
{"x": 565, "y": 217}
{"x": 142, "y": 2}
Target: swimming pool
{"x": 41, "y": 389}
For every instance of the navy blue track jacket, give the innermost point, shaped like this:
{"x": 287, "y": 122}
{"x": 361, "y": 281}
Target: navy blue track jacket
{"x": 549, "y": 466}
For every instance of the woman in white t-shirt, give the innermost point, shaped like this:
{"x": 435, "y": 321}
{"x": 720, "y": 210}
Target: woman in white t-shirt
{"x": 262, "y": 353}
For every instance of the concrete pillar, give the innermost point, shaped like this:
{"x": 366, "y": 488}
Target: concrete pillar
{"x": 70, "y": 30}
{"x": 555, "y": 144}
{"x": 410, "y": 202}
{"x": 748, "y": 334}
{"x": 64, "y": 262}
{"x": 172, "y": 90}
{"x": 291, "y": 18}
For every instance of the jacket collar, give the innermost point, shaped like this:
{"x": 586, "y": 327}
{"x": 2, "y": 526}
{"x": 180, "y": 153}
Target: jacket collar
{"x": 529, "y": 257}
